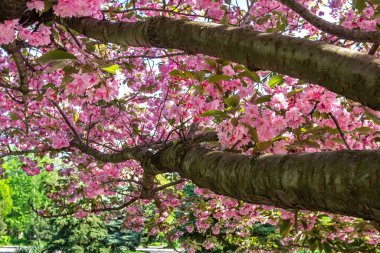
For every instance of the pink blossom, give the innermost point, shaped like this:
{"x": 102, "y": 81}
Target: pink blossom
{"x": 294, "y": 118}
{"x": 60, "y": 141}
{"x": 368, "y": 12}
{"x": 80, "y": 83}
{"x": 208, "y": 244}
{"x": 279, "y": 101}
{"x": 76, "y": 8}
{"x": 228, "y": 70}
{"x": 190, "y": 229}
{"x": 49, "y": 167}
{"x": 36, "y": 4}
{"x": 41, "y": 37}
{"x": 7, "y": 31}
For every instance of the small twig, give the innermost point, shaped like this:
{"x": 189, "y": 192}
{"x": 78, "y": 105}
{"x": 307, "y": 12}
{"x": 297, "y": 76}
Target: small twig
{"x": 374, "y": 48}
{"x": 314, "y": 109}
{"x": 66, "y": 120}
{"x": 162, "y": 187}
{"x": 296, "y": 220}
{"x": 340, "y": 130}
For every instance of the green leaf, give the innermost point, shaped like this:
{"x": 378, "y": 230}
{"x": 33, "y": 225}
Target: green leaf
{"x": 279, "y": 138}
{"x": 76, "y": 116}
{"x": 217, "y": 78}
{"x": 294, "y": 92}
{"x": 68, "y": 71}
{"x": 211, "y": 62}
{"x": 129, "y": 14}
{"x": 359, "y": 5}
{"x": 224, "y": 20}
{"x": 251, "y": 75}
{"x": 232, "y": 101}
{"x": 175, "y": 72}
{"x": 48, "y": 4}
{"x": 375, "y": 119}
{"x": 198, "y": 88}
{"x": 215, "y": 113}
{"x": 362, "y": 130}
{"x": 263, "y": 99}
{"x": 55, "y": 66}
{"x": 285, "y": 227}
{"x": 327, "y": 247}
{"x": 112, "y": 69}
{"x": 311, "y": 143}
{"x": 162, "y": 180}
{"x": 275, "y": 80}
{"x": 199, "y": 76}
{"x": 319, "y": 129}
{"x": 13, "y": 116}
{"x": 55, "y": 55}
{"x": 338, "y": 140}
{"x": 262, "y": 146}
{"x": 313, "y": 244}
{"x": 252, "y": 132}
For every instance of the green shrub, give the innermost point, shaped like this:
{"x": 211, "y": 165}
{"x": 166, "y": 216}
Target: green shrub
{"x": 5, "y": 240}
{"x": 120, "y": 239}
{"x": 36, "y": 248}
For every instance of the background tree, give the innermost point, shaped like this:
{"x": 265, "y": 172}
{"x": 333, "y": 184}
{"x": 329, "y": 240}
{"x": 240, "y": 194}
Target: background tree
{"x": 24, "y": 189}
{"x": 134, "y": 119}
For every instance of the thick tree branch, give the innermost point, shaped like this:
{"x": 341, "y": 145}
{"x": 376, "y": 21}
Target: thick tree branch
{"x": 333, "y": 29}
{"x": 11, "y": 9}
{"x": 373, "y": 48}
{"x": 139, "y": 153}
{"x": 345, "y": 182}
{"x": 15, "y": 50}
{"x": 116, "y": 157}
{"x": 346, "y": 72}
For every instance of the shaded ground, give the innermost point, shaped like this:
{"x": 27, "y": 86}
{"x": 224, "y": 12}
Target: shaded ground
{"x": 8, "y": 249}
{"x": 156, "y": 250}
{"x": 150, "y": 250}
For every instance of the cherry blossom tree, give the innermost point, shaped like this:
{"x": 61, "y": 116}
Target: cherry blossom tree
{"x": 268, "y": 106}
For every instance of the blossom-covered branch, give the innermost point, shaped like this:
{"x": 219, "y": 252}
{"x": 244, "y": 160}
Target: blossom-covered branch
{"x": 331, "y": 28}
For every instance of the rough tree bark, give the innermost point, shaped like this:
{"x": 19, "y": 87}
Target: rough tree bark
{"x": 11, "y": 9}
{"x": 344, "y": 182}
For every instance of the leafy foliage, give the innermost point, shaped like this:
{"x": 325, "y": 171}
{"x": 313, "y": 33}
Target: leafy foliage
{"x": 91, "y": 235}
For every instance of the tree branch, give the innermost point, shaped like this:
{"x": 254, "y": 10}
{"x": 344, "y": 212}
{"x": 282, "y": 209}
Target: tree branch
{"x": 337, "y": 69}
{"x": 14, "y": 50}
{"x": 333, "y": 29}
{"x": 339, "y": 130}
{"x": 30, "y": 151}
{"x": 345, "y": 182}
{"x": 11, "y": 9}
{"x": 373, "y": 48}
